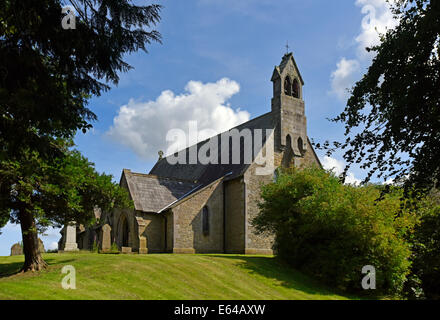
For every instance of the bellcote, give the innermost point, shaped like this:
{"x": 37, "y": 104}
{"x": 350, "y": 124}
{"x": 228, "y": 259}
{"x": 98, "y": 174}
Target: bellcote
{"x": 287, "y": 79}
{"x": 288, "y": 108}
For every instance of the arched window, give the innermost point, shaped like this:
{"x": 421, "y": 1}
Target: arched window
{"x": 287, "y": 86}
{"x": 295, "y": 89}
{"x": 288, "y": 153}
{"x": 301, "y": 145}
{"x": 288, "y": 141}
{"x": 205, "y": 220}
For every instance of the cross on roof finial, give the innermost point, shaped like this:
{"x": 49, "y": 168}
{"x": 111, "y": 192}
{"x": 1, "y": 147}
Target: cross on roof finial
{"x": 287, "y": 47}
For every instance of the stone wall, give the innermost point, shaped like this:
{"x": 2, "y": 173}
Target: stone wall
{"x": 258, "y": 243}
{"x": 235, "y": 216}
{"x": 263, "y": 243}
{"x": 188, "y": 234}
{"x": 170, "y": 231}
{"x": 16, "y": 249}
{"x": 154, "y": 231}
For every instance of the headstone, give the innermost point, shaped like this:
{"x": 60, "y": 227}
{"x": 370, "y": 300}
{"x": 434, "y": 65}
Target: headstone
{"x": 70, "y": 237}
{"x": 143, "y": 243}
{"x": 16, "y": 249}
{"x": 126, "y": 250}
{"x": 142, "y": 225}
{"x": 106, "y": 243}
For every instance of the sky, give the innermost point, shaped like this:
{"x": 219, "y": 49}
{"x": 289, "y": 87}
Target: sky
{"x": 214, "y": 67}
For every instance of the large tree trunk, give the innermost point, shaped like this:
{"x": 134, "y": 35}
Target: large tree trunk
{"x": 32, "y": 256}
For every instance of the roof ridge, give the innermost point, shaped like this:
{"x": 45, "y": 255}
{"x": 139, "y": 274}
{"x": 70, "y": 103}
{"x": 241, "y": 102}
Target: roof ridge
{"x": 219, "y": 134}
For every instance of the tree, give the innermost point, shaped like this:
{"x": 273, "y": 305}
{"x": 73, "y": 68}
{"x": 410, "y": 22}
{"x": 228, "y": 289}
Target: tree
{"x": 331, "y": 230}
{"x": 47, "y": 75}
{"x": 3, "y": 221}
{"x": 54, "y": 192}
{"x": 425, "y": 243}
{"x": 392, "y": 119}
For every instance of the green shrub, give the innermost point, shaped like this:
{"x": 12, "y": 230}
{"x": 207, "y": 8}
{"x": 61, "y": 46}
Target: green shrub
{"x": 330, "y": 230}
{"x": 95, "y": 247}
{"x": 114, "y": 248}
{"x": 426, "y": 251}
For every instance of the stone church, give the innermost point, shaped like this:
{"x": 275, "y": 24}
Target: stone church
{"x": 193, "y": 207}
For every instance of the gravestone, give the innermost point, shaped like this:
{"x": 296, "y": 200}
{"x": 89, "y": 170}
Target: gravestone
{"x": 126, "y": 250}
{"x": 16, "y": 249}
{"x": 70, "y": 237}
{"x": 41, "y": 246}
{"x": 106, "y": 242}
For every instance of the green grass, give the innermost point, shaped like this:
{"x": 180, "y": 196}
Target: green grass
{"x": 160, "y": 276}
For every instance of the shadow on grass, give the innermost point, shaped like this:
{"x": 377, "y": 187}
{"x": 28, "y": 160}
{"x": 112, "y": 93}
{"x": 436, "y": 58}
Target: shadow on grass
{"x": 13, "y": 268}
{"x": 275, "y": 268}
{"x": 9, "y": 269}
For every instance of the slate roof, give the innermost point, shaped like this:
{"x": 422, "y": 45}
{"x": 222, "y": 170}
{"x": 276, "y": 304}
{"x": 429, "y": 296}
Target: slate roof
{"x": 206, "y": 173}
{"x": 151, "y": 193}
{"x": 191, "y": 193}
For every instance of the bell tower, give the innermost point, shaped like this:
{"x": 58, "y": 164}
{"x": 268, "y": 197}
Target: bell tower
{"x": 288, "y": 108}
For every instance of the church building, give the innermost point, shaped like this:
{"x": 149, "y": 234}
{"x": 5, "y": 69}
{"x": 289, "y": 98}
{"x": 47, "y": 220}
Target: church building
{"x": 196, "y": 207}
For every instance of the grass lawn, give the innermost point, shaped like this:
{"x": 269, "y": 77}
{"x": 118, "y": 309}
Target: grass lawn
{"x": 160, "y": 276}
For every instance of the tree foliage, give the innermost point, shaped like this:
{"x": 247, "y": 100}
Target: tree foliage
{"x": 426, "y": 249}
{"x": 54, "y": 192}
{"x": 331, "y": 230}
{"x": 3, "y": 220}
{"x": 47, "y": 76}
{"x": 392, "y": 119}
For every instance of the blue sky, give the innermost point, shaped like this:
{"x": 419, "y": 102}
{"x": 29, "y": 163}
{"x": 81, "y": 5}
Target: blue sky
{"x": 215, "y": 65}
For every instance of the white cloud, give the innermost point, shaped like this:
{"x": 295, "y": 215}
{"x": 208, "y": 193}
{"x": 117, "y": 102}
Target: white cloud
{"x": 333, "y": 164}
{"x": 351, "y": 179}
{"x": 143, "y": 126}
{"x": 338, "y": 166}
{"x": 343, "y": 77}
{"x": 50, "y": 238}
{"x": 377, "y": 19}
{"x": 52, "y": 246}
{"x": 13, "y": 227}
{"x": 51, "y": 232}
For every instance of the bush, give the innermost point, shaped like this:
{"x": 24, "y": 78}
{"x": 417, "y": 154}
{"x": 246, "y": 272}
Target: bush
{"x": 95, "y": 247}
{"x": 114, "y": 248}
{"x": 330, "y": 230}
{"x": 426, "y": 251}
